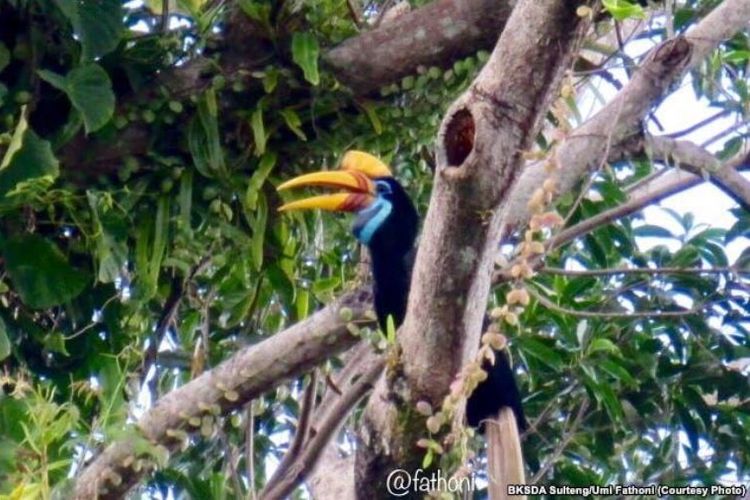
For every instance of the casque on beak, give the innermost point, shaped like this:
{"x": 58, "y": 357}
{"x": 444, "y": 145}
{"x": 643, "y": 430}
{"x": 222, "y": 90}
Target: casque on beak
{"x": 358, "y": 169}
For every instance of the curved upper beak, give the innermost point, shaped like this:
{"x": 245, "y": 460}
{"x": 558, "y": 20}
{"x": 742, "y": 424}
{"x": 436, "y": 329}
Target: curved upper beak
{"x": 360, "y": 191}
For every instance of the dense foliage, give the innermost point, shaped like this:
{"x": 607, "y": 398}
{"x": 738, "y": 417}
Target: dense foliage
{"x": 139, "y": 160}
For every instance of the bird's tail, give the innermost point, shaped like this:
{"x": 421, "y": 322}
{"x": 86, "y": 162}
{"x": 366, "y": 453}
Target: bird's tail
{"x": 504, "y": 457}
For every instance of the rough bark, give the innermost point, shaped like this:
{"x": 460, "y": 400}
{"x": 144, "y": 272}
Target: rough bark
{"x": 436, "y": 34}
{"x": 249, "y": 373}
{"x": 480, "y": 149}
{"x": 698, "y": 161}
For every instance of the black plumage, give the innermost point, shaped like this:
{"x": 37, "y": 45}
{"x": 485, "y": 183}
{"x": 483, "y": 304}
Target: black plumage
{"x": 390, "y": 240}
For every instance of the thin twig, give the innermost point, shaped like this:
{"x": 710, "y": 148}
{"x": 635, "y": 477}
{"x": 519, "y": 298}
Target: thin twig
{"x": 641, "y": 270}
{"x": 93, "y": 323}
{"x": 330, "y": 423}
{"x": 250, "y": 451}
{"x": 302, "y": 433}
{"x": 567, "y": 438}
{"x": 164, "y": 16}
{"x": 700, "y": 124}
{"x": 168, "y": 316}
{"x": 721, "y": 135}
{"x": 610, "y": 315}
{"x": 644, "y": 181}
{"x": 354, "y": 13}
{"x": 383, "y": 9}
{"x": 233, "y": 467}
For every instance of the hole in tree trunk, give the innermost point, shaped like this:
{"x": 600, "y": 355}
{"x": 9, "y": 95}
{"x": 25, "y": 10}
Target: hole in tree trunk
{"x": 459, "y": 137}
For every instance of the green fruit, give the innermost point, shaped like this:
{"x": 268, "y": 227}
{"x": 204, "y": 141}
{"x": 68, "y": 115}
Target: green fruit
{"x": 226, "y": 211}
{"x": 239, "y": 86}
{"x": 219, "y": 82}
{"x": 131, "y": 163}
{"x": 215, "y": 206}
{"x": 175, "y": 106}
{"x": 23, "y": 97}
{"x": 120, "y": 122}
{"x": 210, "y": 192}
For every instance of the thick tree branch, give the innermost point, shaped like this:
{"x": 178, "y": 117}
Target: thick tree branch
{"x": 249, "y": 373}
{"x": 700, "y": 162}
{"x": 436, "y": 34}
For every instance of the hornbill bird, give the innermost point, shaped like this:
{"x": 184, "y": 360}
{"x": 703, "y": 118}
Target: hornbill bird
{"x": 387, "y": 223}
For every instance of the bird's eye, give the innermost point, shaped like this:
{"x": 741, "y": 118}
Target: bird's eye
{"x": 382, "y": 187}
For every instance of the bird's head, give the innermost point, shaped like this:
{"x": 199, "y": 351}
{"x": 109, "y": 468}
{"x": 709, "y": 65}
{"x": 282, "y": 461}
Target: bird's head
{"x": 386, "y": 217}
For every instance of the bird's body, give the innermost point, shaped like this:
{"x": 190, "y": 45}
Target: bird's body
{"x": 391, "y": 246}
{"x": 387, "y": 223}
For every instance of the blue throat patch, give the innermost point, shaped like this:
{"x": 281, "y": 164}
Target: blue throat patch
{"x": 382, "y": 209}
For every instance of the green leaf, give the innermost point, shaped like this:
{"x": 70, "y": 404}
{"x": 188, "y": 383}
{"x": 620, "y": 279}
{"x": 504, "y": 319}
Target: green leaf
{"x": 90, "y": 91}
{"x": 203, "y": 137}
{"x": 305, "y": 53}
{"x": 302, "y": 304}
{"x": 17, "y": 140}
{"x": 617, "y": 371}
{"x": 259, "y": 131}
{"x": 622, "y": 9}
{"x": 605, "y": 345}
{"x": 55, "y": 342}
{"x": 185, "y": 198}
{"x": 734, "y": 56}
{"x": 267, "y": 162}
{"x": 281, "y": 283}
{"x": 149, "y": 251}
{"x": 542, "y": 352}
{"x": 31, "y": 159}
{"x": 390, "y": 330}
{"x": 652, "y": 231}
{"x": 161, "y": 231}
{"x": 4, "y": 341}
{"x": 270, "y": 80}
{"x": 40, "y": 272}
{"x": 111, "y": 239}
{"x": 372, "y": 115}
{"x": 611, "y": 402}
{"x": 687, "y": 256}
{"x": 293, "y": 122}
{"x": 97, "y": 24}
{"x": 258, "y": 224}
{"x": 258, "y": 11}
{"x": 325, "y": 285}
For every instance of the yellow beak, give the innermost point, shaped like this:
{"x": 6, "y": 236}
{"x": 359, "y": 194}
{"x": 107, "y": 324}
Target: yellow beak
{"x": 358, "y": 170}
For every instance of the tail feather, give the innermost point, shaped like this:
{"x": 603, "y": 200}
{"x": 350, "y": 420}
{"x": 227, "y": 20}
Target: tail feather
{"x": 504, "y": 457}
